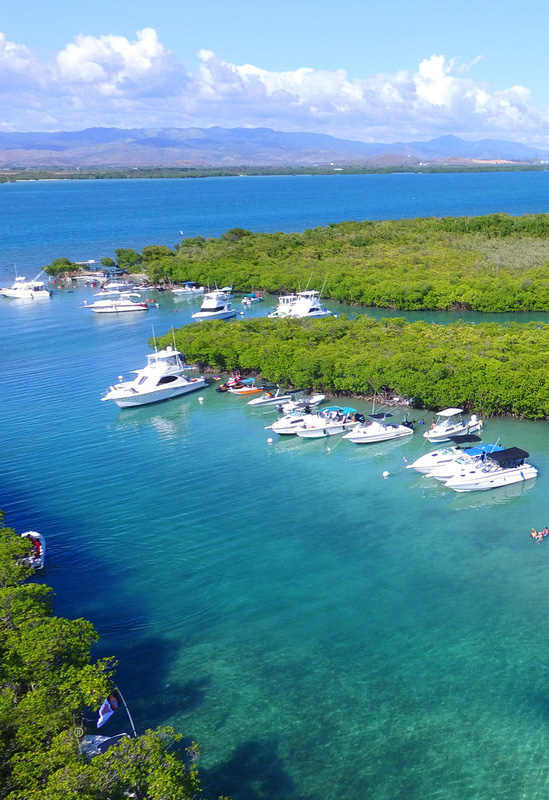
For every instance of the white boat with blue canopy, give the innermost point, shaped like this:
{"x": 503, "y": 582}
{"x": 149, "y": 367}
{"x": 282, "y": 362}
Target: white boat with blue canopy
{"x": 500, "y": 469}
{"x": 377, "y": 429}
{"x": 329, "y": 422}
{"x": 472, "y": 456}
{"x": 444, "y": 454}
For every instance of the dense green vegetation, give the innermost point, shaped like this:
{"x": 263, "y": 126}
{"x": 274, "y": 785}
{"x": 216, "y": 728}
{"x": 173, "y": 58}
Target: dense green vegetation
{"x": 47, "y": 680}
{"x": 493, "y": 263}
{"x": 129, "y": 173}
{"x": 491, "y": 368}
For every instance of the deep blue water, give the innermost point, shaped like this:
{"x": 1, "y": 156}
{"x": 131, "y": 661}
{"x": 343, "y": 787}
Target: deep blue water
{"x": 322, "y": 631}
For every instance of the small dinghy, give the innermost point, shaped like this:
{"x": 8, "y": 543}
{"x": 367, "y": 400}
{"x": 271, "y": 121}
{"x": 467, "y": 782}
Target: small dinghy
{"x": 37, "y": 556}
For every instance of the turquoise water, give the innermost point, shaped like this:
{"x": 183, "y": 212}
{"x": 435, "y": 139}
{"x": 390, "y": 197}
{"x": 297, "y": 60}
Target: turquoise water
{"x": 321, "y": 630}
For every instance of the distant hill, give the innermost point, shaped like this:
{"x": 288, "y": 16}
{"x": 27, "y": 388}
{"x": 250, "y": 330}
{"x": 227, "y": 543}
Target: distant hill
{"x": 232, "y": 147}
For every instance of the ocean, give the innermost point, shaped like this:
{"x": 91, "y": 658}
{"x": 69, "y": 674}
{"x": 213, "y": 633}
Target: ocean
{"x": 321, "y": 630}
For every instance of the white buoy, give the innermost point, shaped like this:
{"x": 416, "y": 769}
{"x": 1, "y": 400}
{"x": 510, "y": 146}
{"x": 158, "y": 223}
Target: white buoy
{"x": 200, "y": 399}
{"x": 269, "y": 440}
{"x": 385, "y": 474}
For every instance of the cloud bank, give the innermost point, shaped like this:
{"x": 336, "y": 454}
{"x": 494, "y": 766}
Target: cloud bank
{"x": 110, "y": 81}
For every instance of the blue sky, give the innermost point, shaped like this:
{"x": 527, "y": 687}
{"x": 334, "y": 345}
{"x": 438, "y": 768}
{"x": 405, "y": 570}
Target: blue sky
{"x": 372, "y": 72}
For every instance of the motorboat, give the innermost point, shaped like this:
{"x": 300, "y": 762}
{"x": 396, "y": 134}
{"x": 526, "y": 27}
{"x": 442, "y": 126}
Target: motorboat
{"x": 26, "y": 290}
{"x": 377, "y": 429}
{"x": 443, "y": 455}
{"x": 118, "y": 286}
{"x": 270, "y": 398}
{"x": 215, "y": 305}
{"x": 37, "y": 555}
{"x": 472, "y": 456}
{"x": 283, "y": 306}
{"x": 250, "y": 299}
{"x": 309, "y": 401}
{"x": 290, "y": 423}
{"x": 499, "y": 469}
{"x": 449, "y": 422}
{"x": 188, "y": 289}
{"x": 308, "y": 305}
{"x": 162, "y": 379}
{"x": 247, "y": 387}
{"x": 329, "y": 422}
{"x": 118, "y": 305}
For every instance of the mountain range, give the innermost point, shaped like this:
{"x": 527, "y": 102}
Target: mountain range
{"x": 234, "y": 147}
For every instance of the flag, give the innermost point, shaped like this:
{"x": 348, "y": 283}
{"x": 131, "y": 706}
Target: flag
{"x": 107, "y": 709}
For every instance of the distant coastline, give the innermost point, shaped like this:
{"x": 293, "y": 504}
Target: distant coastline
{"x": 128, "y": 173}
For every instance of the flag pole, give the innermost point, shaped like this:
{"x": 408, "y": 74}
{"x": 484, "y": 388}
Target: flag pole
{"x": 126, "y": 709}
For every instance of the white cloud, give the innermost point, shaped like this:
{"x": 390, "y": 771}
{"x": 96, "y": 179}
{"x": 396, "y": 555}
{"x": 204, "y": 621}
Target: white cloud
{"x": 113, "y": 81}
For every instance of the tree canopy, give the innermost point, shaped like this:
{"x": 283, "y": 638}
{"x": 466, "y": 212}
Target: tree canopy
{"x": 47, "y": 681}
{"x": 491, "y": 368}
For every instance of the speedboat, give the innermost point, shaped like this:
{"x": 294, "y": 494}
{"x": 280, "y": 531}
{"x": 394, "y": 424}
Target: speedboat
{"x": 499, "y": 469}
{"x": 250, "y": 299}
{"x": 378, "y": 430}
{"x": 271, "y": 398}
{"x": 450, "y": 423}
{"x": 309, "y": 401}
{"x": 189, "y": 289}
{"x": 329, "y": 422}
{"x": 215, "y": 305}
{"x": 443, "y": 455}
{"x": 473, "y": 456}
{"x": 291, "y": 422}
{"x": 246, "y": 388}
{"x": 161, "y": 379}
{"x": 118, "y": 305}
{"x": 37, "y": 555}
{"x": 26, "y": 290}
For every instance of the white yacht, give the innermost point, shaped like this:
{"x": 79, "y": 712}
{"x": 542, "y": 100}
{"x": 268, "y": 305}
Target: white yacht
{"x": 118, "y": 304}
{"x": 215, "y": 305}
{"x": 188, "y": 289}
{"x": 472, "y": 457}
{"x": 450, "y": 423}
{"x": 308, "y": 305}
{"x": 499, "y": 469}
{"x": 442, "y": 455}
{"x": 283, "y": 306}
{"x": 26, "y": 290}
{"x": 329, "y": 422}
{"x": 161, "y": 379}
{"x": 378, "y": 430}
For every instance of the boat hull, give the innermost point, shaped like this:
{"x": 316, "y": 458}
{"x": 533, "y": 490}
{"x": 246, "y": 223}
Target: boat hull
{"x": 492, "y": 480}
{"x": 370, "y": 437}
{"x": 201, "y": 316}
{"x": 126, "y": 399}
{"x": 327, "y": 430}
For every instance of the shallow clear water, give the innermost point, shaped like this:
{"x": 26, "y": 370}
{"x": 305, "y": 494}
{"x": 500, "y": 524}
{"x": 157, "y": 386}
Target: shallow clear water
{"x": 322, "y": 631}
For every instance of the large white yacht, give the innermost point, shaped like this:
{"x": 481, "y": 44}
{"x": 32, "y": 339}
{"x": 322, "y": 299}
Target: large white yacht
{"x": 161, "y": 379}
{"x": 450, "y": 423}
{"x": 119, "y": 303}
{"x": 283, "y": 306}
{"x": 308, "y": 305}
{"x": 26, "y": 290}
{"x": 377, "y": 429}
{"x": 499, "y": 469}
{"x": 215, "y": 305}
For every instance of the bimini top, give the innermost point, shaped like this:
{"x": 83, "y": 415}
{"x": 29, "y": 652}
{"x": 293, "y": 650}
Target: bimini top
{"x": 380, "y": 415}
{"x": 450, "y": 412}
{"x": 488, "y": 449}
{"x": 463, "y": 438}
{"x": 512, "y": 457}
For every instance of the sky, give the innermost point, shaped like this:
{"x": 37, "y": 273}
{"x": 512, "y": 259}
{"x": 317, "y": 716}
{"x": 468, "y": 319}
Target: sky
{"x": 354, "y": 69}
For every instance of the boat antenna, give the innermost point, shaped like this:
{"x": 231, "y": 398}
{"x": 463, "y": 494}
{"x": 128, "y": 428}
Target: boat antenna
{"x": 126, "y": 709}
{"x": 154, "y": 340}
{"x": 323, "y": 285}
